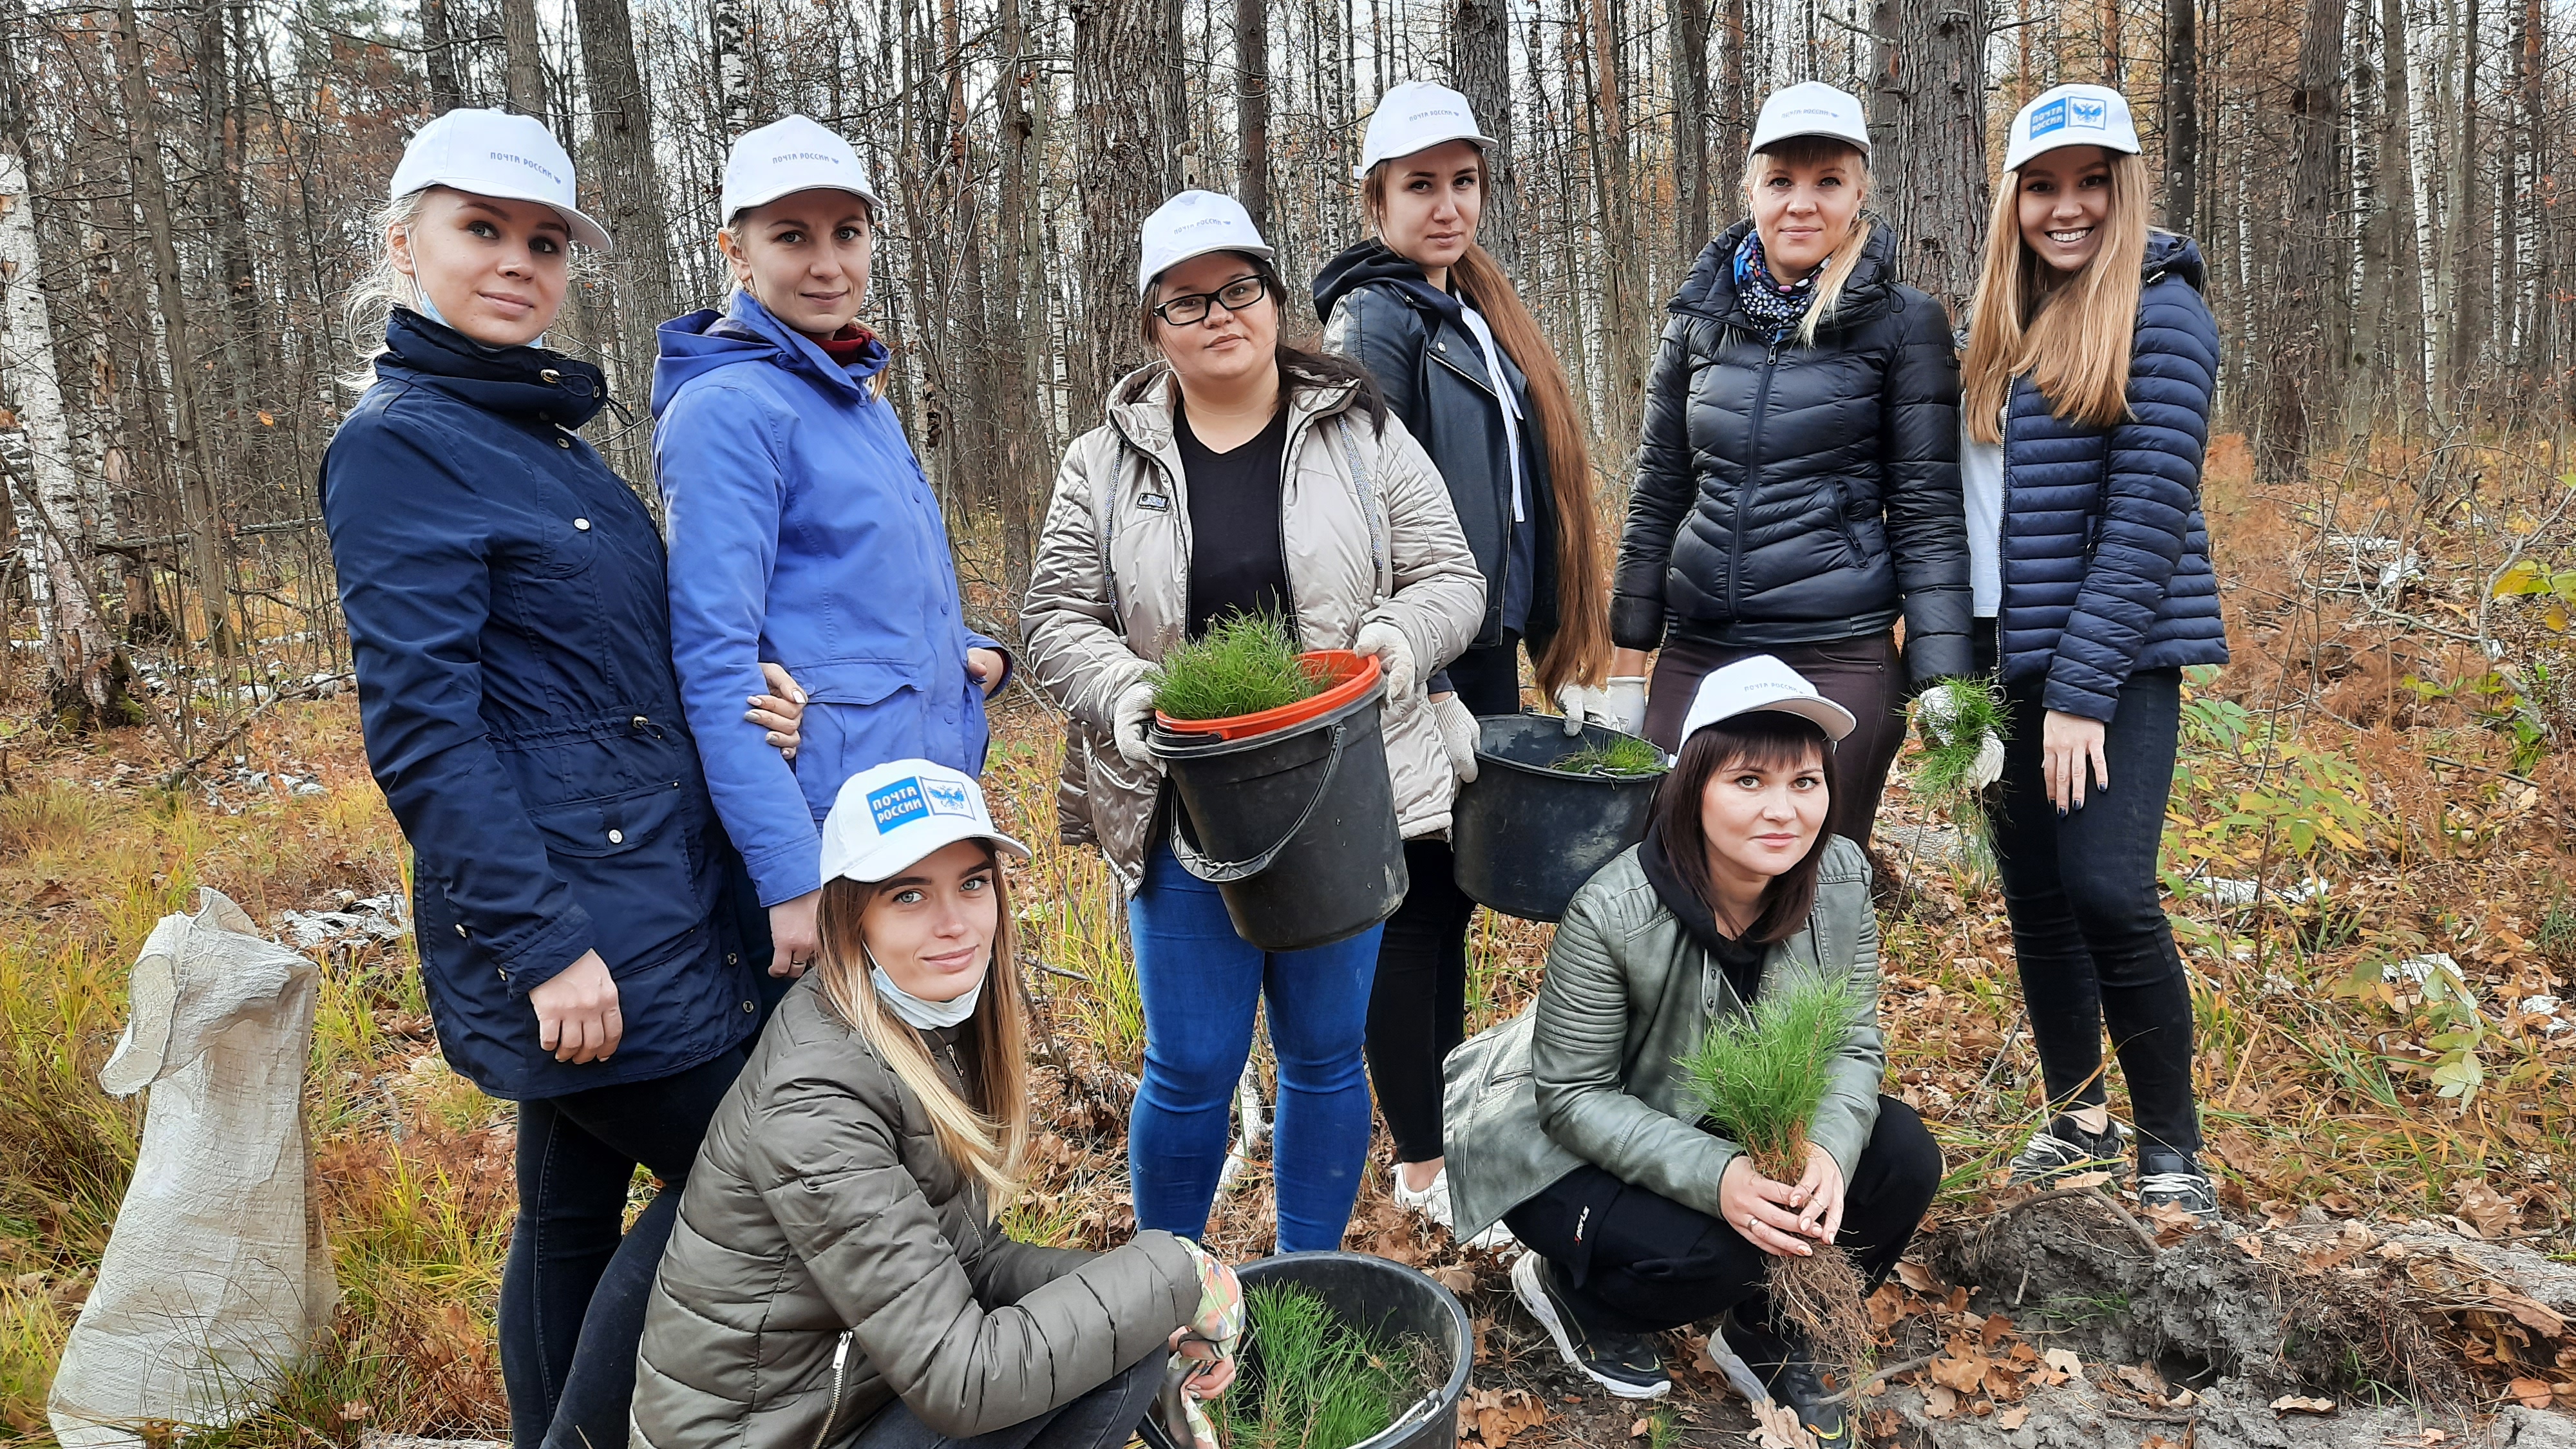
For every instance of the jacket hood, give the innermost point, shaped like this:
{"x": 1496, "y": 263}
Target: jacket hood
{"x": 1375, "y": 261}
{"x": 513, "y": 381}
{"x": 702, "y": 342}
{"x": 1146, "y": 422}
{"x": 1710, "y": 288}
{"x": 2170, "y": 254}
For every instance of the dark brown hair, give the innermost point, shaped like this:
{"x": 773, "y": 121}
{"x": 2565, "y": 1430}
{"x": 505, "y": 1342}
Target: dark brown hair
{"x": 1580, "y": 650}
{"x": 1297, "y": 366}
{"x": 1764, "y": 740}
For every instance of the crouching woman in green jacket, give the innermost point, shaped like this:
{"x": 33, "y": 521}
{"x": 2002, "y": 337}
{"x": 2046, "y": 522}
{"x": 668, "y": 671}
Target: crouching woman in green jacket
{"x": 837, "y": 1279}
{"x": 1572, "y": 1122}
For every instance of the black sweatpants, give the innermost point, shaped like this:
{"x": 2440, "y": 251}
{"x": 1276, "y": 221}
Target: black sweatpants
{"x": 1631, "y": 1261}
{"x": 1864, "y": 674}
{"x": 1418, "y": 1006}
{"x": 2088, "y": 916}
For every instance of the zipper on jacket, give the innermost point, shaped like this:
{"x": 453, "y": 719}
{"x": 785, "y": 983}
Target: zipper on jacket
{"x": 1752, "y": 478}
{"x": 840, "y": 1368}
{"x": 1511, "y": 486}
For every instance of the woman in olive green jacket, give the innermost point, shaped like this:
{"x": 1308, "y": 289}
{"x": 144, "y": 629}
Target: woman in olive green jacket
{"x": 1570, "y": 1122}
{"x": 837, "y": 1279}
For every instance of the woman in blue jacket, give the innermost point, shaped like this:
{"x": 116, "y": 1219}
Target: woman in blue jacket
{"x": 504, "y": 593}
{"x": 802, "y": 530}
{"x": 2090, "y": 367}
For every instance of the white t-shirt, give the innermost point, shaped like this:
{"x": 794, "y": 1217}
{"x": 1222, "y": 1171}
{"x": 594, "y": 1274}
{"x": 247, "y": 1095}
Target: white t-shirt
{"x": 1981, "y": 475}
{"x": 1511, "y": 405}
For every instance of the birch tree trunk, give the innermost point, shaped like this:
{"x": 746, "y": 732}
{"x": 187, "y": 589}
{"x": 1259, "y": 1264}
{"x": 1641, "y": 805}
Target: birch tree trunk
{"x": 2182, "y": 116}
{"x": 53, "y": 520}
{"x": 196, "y": 484}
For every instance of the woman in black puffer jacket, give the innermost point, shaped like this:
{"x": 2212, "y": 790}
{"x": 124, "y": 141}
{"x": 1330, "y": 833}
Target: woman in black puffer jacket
{"x": 1798, "y": 485}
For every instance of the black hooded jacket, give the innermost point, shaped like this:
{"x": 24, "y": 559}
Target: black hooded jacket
{"x": 1789, "y": 494}
{"x": 1380, "y": 312}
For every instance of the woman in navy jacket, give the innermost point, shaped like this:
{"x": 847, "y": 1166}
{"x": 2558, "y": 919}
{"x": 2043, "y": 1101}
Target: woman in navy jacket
{"x": 2090, "y": 367}
{"x": 505, "y": 599}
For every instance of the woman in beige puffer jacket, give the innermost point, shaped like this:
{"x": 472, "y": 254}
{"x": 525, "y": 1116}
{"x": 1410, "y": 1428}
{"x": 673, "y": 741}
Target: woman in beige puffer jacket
{"x": 1241, "y": 475}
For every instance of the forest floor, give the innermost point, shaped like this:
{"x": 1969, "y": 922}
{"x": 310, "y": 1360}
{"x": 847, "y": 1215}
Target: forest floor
{"x": 2368, "y": 850}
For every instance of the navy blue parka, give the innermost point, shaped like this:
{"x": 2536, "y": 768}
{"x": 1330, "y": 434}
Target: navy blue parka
{"x": 2105, "y": 556}
{"x": 508, "y": 617}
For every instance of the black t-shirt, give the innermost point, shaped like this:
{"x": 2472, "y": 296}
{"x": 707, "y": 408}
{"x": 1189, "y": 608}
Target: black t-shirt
{"x": 1238, "y": 563}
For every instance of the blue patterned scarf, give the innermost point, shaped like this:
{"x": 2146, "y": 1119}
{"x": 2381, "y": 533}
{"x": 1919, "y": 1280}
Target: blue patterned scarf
{"x": 1765, "y": 300}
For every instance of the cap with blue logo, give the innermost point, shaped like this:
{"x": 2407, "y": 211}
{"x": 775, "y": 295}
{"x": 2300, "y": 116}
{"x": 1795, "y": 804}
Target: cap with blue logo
{"x": 2071, "y": 115}
{"x": 896, "y": 814}
{"x": 495, "y": 154}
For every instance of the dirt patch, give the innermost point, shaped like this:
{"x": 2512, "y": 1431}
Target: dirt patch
{"x": 2229, "y": 1415}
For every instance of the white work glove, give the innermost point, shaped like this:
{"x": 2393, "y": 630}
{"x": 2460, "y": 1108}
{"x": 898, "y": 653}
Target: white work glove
{"x": 1941, "y": 709}
{"x": 1128, "y": 720}
{"x": 1458, "y": 734}
{"x": 1619, "y": 705}
{"x": 1394, "y": 653}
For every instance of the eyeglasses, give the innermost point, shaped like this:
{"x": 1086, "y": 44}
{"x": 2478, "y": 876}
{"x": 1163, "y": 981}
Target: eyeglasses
{"x": 1234, "y": 296}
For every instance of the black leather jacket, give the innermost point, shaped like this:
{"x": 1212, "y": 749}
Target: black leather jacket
{"x": 1414, "y": 340}
{"x": 1788, "y": 494}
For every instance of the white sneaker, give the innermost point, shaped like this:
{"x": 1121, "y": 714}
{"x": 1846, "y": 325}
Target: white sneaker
{"x": 1431, "y": 1202}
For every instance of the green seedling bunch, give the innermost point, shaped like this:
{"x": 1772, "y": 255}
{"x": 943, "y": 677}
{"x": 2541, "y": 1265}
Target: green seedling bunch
{"x": 1243, "y": 664}
{"x": 1625, "y": 757}
{"x": 1309, "y": 1381}
{"x": 1945, "y": 778}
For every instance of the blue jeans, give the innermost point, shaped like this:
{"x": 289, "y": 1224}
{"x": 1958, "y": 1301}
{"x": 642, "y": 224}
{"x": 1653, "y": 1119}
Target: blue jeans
{"x": 1201, "y": 985}
{"x": 574, "y": 1287}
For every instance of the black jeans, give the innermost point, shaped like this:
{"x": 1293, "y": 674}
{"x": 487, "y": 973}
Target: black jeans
{"x": 2088, "y": 918}
{"x": 1418, "y": 1005}
{"x": 1630, "y": 1261}
{"x": 1101, "y": 1419}
{"x": 574, "y": 1288}
{"x": 1864, "y": 674}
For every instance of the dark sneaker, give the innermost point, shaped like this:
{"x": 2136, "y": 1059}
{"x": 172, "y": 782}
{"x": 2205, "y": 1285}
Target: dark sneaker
{"x": 1789, "y": 1377}
{"x": 2063, "y": 1149}
{"x": 1624, "y": 1363}
{"x": 2169, "y": 1179}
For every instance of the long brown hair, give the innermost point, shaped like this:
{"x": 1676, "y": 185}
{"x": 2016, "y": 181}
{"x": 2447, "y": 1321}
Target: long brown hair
{"x": 1845, "y": 257}
{"x": 985, "y": 1131}
{"x": 1764, "y": 740}
{"x": 2071, "y": 335}
{"x": 1580, "y": 651}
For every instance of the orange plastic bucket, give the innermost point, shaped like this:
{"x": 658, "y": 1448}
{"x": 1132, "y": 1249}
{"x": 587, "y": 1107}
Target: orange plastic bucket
{"x": 1348, "y": 676}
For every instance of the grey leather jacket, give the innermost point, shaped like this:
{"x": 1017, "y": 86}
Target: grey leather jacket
{"x": 1588, "y": 1074}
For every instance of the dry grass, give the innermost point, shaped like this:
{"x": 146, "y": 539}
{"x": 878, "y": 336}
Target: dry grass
{"x": 2367, "y": 754}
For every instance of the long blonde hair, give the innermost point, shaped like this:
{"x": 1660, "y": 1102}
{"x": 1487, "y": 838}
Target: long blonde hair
{"x": 1580, "y": 651}
{"x": 986, "y": 1130}
{"x": 1845, "y": 258}
{"x": 380, "y": 290}
{"x": 2071, "y": 336}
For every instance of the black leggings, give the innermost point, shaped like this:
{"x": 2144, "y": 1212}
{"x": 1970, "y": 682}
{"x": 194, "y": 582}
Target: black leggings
{"x": 1418, "y": 1006}
{"x": 2088, "y": 918}
{"x": 1864, "y": 674}
{"x": 1630, "y": 1261}
{"x": 1104, "y": 1418}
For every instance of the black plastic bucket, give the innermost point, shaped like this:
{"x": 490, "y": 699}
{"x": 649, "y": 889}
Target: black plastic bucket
{"x": 1526, "y": 838}
{"x": 1391, "y": 1303}
{"x": 1296, "y": 828}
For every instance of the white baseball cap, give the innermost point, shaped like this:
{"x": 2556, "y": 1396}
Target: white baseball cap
{"x": 797, "y": 153}
{"x": 1416, "y": 116}
{"x": 1810, "y": 108}
{"x": 496, "y": 154}
{"x": 1194, "y": 224}
{"x": 1759, "y": 683}
{"x": 2071, "y": 115}
{"x": 891, "y": 816}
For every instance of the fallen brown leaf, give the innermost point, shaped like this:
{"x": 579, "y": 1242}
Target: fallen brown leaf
{"x": 2531, "y": 1393}
{"x": 2293, "y": 1404}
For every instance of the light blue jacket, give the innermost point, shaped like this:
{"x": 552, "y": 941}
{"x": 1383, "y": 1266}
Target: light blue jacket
{"x": 802, "y": 532}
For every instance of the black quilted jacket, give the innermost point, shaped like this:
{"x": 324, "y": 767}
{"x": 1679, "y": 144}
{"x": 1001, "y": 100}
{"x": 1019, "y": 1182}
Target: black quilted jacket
{"x": 1789, "y": 494}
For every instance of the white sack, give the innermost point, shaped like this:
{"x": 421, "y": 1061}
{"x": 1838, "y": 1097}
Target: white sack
{"x": 216, "y": 1280}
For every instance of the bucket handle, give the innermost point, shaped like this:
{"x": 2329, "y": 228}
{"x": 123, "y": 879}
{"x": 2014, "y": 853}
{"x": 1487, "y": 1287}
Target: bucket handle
{"x": 1224, "y": 872}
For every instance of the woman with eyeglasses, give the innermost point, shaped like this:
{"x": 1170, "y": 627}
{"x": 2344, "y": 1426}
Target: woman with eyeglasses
{"x": 1239, "y": 475}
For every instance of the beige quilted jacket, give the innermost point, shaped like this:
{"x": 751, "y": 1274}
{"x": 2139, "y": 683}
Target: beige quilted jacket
{"x": 1369, "y": 533}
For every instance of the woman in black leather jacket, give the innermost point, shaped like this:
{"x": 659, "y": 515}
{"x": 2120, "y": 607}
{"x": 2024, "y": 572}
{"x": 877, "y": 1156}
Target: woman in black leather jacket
{"x": 1798, "y": 482}
{"x": 1435, "y": 320}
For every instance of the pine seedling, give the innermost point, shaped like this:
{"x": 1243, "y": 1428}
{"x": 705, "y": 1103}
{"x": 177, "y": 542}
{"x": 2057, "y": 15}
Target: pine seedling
{"x": 1625, "y": 757}
{"x": 1243, "y": 664}
{"x": 1757, "y": 1080}
{"x": 1309, "y": 1381}
{"x": 1944, "y": 774}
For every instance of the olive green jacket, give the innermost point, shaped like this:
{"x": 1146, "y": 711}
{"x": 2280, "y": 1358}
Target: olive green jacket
{"x": 1589, "y": 1072}
{"x": 829, "y": 1259}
